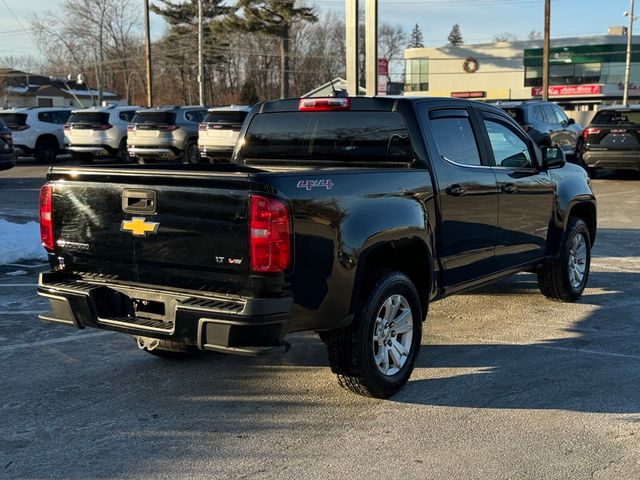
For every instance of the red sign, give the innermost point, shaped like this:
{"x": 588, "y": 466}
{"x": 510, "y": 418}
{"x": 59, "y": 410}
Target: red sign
{"x": 468, "y": 94}
{"x": 383, "y": 67}
{"x": 565, "y": 90}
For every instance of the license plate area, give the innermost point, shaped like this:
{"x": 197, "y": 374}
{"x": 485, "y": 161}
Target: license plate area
{"x": 135, "y": 309}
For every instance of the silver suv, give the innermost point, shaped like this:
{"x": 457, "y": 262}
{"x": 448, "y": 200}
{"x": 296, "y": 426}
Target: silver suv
{"x": 166, "y": 133}
{"x": 219, "y": 131}
{"x": 99, "y": 132}
{"x": 37, "y": 131}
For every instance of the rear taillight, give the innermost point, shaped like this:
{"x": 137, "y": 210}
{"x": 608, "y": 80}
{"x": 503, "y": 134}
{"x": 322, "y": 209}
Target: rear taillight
{"x": 67, "y": 126}
{"x": 131, "y": 128}
{"x": 590, "y": 131}
{"x": 269, "y": 243}
{"x": 46, "y": 219}
{"x": 168, "y": 128}
{"x": 105, "y": 126}
{"x": 324, "y": 104}
{"x": 527, "y": 128}
{"x": 203, "y": 127}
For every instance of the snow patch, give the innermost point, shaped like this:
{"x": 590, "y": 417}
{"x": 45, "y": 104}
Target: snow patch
{"x": 20, "y": 242}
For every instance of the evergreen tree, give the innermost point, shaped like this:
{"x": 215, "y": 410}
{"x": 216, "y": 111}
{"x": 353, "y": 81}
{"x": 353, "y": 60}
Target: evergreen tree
{"x": 415, "y": 38}
{"x": 248, "y": 93}
{"x": 181, "y": 41}
{"x": 455, "y": 37}
{"x": 274, "y": 18}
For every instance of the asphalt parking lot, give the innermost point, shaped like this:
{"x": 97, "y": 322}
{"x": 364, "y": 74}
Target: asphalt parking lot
{"x": 508, "y": 385}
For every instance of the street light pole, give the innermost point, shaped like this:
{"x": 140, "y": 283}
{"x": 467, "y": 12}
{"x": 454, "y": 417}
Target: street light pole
{"x": 147, "y": 51}
{"x": 200, "y": 58}
{"x": 627, "y": 67}
{"x": 545, "y": 50}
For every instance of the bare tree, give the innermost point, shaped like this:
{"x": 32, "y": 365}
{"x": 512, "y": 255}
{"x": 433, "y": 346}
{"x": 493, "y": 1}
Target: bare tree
{"x": 100, "y": 40}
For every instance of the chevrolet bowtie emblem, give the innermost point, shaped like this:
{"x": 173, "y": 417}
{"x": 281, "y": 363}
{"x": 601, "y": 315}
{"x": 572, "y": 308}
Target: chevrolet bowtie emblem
{"x": 139, "y": 226}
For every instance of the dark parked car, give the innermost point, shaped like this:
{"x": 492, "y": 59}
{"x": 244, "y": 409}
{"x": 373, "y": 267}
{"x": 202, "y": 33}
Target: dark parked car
{"x": 7, "y": 153}
{"x": 612, "y": 140}
{"x": 547, "y": 125}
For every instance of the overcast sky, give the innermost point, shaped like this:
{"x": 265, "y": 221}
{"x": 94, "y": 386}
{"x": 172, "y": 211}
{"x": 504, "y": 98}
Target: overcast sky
{"x": 479, "y": 20}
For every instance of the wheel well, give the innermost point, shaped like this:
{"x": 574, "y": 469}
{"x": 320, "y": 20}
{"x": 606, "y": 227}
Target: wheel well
{"x": 587, "y": 213}
{"x": 48, "y": 136}
{"x": 409, "y": 256}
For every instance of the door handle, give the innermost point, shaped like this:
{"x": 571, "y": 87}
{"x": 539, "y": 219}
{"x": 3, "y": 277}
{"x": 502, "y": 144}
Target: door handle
{"x": 456, "y": 190}
{"x": 509, "y": 188}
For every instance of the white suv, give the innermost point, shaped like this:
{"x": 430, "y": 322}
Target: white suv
{"x": 219, "y": 131}
{"x": 99, "y": 132}
{"x": 37, "y": 131}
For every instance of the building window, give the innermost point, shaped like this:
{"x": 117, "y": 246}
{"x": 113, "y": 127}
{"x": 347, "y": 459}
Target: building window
{"x": 417, "y": 75}
{"x": 581, "y": 74}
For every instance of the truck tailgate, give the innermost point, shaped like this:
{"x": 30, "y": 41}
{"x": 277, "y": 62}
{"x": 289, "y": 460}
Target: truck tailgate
{"x": 157, "y": 228}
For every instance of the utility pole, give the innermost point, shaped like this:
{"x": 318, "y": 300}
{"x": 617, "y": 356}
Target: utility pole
{"x": 545, "y": 50}
{"x": 627, "y": 67}
{"x": 147, "y": 52}
{"x": 371, "y": 47}
{"x": 200, "y": 59}
{"x": 351, "y": 26}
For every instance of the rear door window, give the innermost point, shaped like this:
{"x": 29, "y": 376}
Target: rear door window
{"x": 195, "y": 115}
{"x": 89, "y": 118}
{"x": 225, "y": 119}
{"x": 614, "y": 117}
{"x": 154, "y": 118}
{"x": 127, "y": 115}
{"x": 516, "y": 113}
{"x": 14, "y": 120}
{"x": 455, "y": 139}
{"x": 356, "y": 136}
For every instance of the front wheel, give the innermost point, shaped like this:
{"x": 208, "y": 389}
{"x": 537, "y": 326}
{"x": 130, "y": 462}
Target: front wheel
{"x": 374, "y": 356}
{"x": 565, "y": 278}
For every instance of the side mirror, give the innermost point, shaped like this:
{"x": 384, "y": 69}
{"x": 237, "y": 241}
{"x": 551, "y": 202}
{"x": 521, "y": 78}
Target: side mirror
{"x": 553, "y": 157}
{"x": 571, "y": 121}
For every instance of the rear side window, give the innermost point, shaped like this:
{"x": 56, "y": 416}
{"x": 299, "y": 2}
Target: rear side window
{"x": 157, "y": 118}
{"x": 516, "y": 113}
{"x": 14, "y": 120}
{"x": 57, "y": 118}
{"x": 225, "y": 119}
{"x": 195, "y": 115}
{"x": 328, "y": 136}
{"x": 127, "y": 115}
{"x": 89, "y": 118}
{"x": 455, "y": 139}
{"x": 613, "y": 117}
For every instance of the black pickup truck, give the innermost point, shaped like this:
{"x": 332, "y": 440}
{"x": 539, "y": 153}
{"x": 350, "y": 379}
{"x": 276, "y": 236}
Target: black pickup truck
{"x": 345, "y": 216}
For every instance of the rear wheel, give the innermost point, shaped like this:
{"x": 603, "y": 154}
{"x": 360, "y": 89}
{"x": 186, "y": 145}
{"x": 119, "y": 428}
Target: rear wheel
{"x": 123, "y": 153}
{"x": 46, "y": 150}
{"x": 374, "y": 356}
{"x": 165, "y": 348}
{"x": 191, "y": 153}
{"x": 565, "y": 278}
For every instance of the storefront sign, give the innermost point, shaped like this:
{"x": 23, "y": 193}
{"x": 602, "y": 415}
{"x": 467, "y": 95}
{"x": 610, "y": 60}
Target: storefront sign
{"x": 469, "y": 94}
{"x": 566, "y": 90}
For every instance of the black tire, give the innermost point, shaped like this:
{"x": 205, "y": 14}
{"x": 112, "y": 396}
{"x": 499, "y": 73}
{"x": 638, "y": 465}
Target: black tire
{"x": 351, "y": 350}
{"x": 46, "y": 150}
{"x": 123, "y": 153}
{"x": 592, "y": 172}
{"x": 191, "y": 153}
{"x": 554, "y": 279}
{"x": 170, "y": 350}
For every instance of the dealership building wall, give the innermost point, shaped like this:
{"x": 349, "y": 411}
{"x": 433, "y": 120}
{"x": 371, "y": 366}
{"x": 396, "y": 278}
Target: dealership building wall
{"x": 584, "y": 71}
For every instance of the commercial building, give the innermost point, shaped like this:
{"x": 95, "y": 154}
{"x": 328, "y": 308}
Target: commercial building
{"x": 584, "y": 71}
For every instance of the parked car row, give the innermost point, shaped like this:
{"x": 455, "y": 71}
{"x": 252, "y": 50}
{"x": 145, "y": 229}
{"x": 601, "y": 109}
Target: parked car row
{"x": 191, "y": 134}
{"x": 187, "y": 133}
